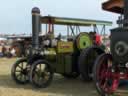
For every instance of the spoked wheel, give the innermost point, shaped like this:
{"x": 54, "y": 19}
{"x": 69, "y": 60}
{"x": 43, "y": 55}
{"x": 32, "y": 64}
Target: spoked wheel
{"x": 104, "y": 79}
{"x": 87, "y": 60}
{"x": 20, "y": 72}
{"x": 41, "y": 74}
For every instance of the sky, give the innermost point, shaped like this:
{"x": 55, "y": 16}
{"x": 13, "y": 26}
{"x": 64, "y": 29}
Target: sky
{"x": 15, "y": 15}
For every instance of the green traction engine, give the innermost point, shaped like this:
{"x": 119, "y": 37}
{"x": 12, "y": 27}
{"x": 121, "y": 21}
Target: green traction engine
{"x": 69, "y": 56}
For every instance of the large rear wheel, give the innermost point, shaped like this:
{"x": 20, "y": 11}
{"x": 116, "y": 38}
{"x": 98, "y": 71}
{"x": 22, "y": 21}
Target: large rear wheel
{"x": 86, "y": 61}
{"x": 41, "y": 74}
{"x": 104, "y": 79}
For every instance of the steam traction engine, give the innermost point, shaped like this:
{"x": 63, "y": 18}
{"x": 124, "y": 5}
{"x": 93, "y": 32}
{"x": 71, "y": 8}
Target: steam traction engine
{"x": 69, "y": 57}
{"x": 110, "y": 68}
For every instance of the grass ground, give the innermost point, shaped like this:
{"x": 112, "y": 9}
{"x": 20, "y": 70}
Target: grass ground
{"x": 59, "y": 87}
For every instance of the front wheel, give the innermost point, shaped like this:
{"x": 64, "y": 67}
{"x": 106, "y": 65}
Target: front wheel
{"x": 104, "y": 80}
{"x": 41, "y": 74}
{"x": 20, "y": 71}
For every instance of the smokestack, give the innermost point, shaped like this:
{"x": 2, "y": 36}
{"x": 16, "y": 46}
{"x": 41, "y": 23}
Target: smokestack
{"x": 125, "y": 13}
{"x": 36, "y": 27}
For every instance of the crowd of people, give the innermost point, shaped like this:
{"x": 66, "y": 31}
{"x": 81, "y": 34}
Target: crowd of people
{"x": 7, "y": 51}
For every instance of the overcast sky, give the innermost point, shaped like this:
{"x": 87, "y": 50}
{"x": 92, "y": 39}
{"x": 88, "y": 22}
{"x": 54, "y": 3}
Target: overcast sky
{"x": 15, "y": 15}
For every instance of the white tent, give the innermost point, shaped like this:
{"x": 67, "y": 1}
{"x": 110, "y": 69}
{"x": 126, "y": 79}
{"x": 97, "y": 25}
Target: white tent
{"x": 2, "y": 39}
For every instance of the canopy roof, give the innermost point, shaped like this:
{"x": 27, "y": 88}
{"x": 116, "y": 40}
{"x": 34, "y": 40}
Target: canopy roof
{"x": 73, "y": 21}
{"x": 114, "y": 6}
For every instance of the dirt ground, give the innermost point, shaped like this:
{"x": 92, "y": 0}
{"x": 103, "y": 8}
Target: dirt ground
{"x": 59, "y": 87}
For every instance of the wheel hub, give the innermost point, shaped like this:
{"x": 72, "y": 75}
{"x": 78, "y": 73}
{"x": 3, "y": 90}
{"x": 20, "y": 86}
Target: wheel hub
{"x": 24, "y": 71}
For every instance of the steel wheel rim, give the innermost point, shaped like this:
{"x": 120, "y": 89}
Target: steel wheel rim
{"x": 105, "y": 79}
{"x": 90, "y": 61}
{"x": 41, "y": 75}
{"x": 21, "y": 72}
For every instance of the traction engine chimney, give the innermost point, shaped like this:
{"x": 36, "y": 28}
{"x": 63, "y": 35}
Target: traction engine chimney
{"x": 36, "y": 27}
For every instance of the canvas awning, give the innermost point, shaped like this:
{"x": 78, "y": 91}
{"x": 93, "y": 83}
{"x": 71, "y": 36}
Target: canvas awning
{"x": 73, "y": 21}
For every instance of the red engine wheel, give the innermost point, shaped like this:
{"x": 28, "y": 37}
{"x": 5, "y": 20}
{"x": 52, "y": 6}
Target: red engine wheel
{"x": 106, "y": 83}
